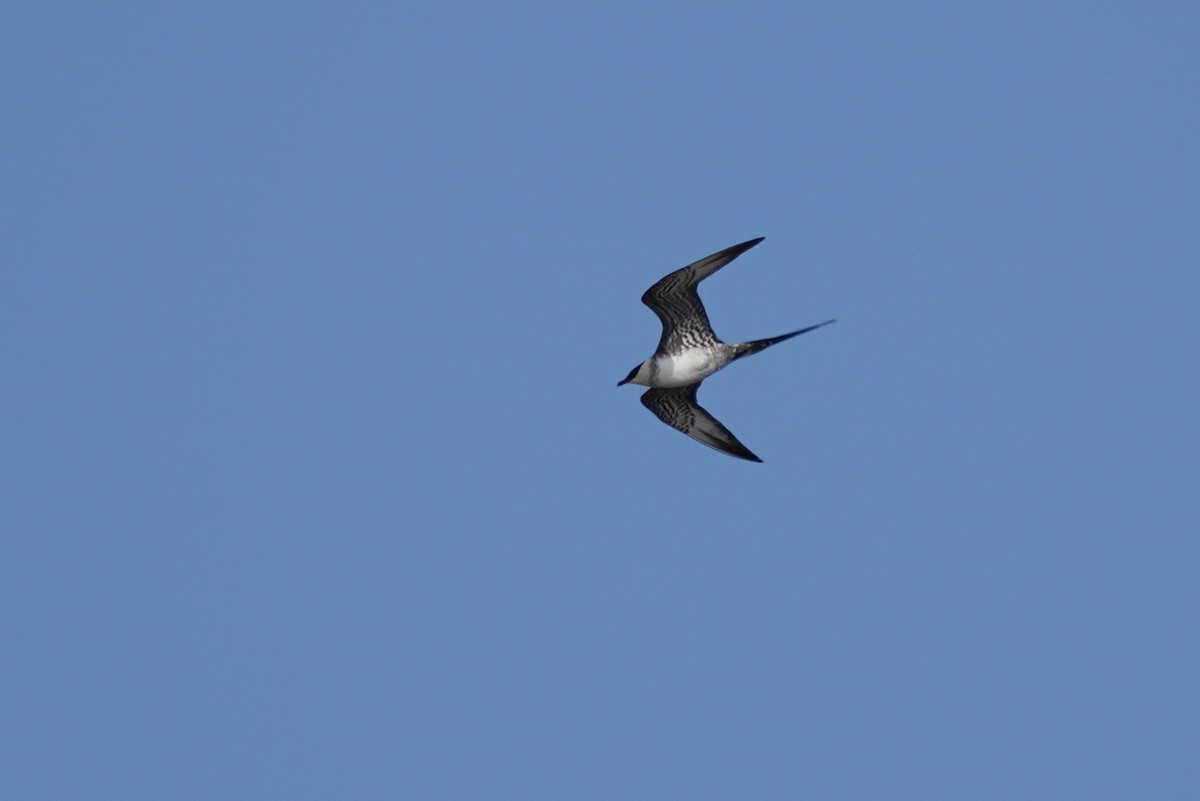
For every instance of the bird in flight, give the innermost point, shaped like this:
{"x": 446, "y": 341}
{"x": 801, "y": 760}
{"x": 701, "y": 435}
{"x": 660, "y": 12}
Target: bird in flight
{"x": 690, "y": 352}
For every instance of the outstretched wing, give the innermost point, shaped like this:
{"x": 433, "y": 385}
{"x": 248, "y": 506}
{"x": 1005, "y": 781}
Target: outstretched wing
{"x": 675, "y": 301}
{"x": 678, "y": 409}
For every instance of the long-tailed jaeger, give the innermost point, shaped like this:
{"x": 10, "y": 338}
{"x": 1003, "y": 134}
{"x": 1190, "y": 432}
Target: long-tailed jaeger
{"x": 690, "y": 352}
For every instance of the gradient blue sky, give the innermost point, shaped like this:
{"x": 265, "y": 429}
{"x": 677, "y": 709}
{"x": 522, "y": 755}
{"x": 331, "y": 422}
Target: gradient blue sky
{"x": 317, "y": 483}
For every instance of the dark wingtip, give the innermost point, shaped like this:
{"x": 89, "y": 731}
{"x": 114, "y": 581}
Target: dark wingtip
{"x": 733, "y": 251}
{"x": 748, "y": 455}
{"x": 739, "y": 450}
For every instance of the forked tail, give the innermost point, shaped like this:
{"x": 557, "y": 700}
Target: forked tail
{"x": 747, "y": 348}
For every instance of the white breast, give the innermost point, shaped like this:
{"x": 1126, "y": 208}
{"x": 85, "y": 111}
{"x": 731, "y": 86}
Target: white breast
{"x": 685, "y": 368}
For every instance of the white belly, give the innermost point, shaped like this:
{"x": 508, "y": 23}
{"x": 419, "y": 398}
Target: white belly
{"x": 684, "y": 368}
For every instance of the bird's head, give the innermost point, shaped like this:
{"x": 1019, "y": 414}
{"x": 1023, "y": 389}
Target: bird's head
{"x": 638, "y": 375}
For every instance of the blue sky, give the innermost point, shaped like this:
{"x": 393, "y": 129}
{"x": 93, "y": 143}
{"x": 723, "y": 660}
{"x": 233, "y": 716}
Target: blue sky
{"x": 317, "y": 483}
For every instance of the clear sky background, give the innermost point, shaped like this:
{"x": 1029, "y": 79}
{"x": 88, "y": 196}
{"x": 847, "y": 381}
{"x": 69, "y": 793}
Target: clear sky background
{"x": 317, "y": 483}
